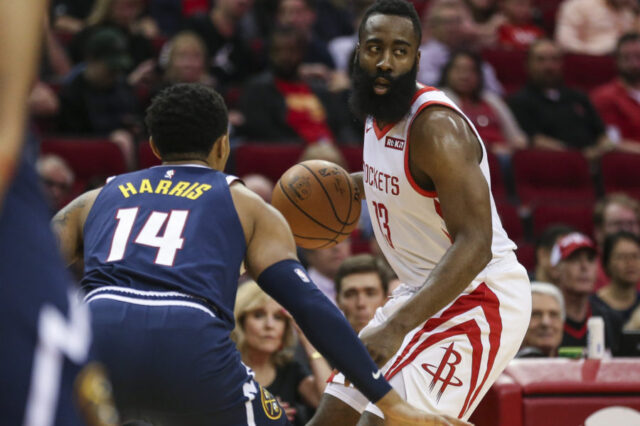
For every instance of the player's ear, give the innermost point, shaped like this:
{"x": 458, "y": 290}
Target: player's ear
{"x": 418, "y": 61}
{"x": 154, "y": 149}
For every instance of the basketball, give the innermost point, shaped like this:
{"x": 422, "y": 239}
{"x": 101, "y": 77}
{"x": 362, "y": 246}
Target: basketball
{"x": 320, "y": 202}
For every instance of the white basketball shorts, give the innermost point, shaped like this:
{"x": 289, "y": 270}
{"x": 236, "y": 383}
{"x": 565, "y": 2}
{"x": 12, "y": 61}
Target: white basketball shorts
{"x": 447, "y": 363}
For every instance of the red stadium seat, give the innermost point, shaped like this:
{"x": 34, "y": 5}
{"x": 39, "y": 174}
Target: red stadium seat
{"x": 270, "y": 160}
{"x": 526, "y": 254}
{"x": 498, "y": 188}
{"x": 509, "y": 66}
{"x": 621, "y": 173}
{"x": 146, "y": 158}
{"x": 92, "y": 160}
{"x": 511, "y": 220}
{"x": 579, "y": 216}
{"x": 353, "y": 156}
{"x": 543, "y": 176}
{"x": 586, "y": 72}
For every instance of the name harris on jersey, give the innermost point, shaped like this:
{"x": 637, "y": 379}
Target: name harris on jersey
{"x": 184, "y": 189}
{"x": 384, "y": 182}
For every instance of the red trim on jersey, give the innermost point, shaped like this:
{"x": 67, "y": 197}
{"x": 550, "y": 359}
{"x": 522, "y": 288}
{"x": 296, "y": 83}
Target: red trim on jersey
{"x": 578, "y": 333}
{"x": 482, "y": 297}
{"x": 421, "y": 90}
{"x": 407, "y": 171}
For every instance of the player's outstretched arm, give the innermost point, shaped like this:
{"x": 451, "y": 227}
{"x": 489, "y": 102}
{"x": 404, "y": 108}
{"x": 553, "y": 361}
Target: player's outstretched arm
{"x": 19, "y": 49}
{"x": 444, "y": 153}
{"x": 68, "y": 223}
{"x": 271, "y": 259}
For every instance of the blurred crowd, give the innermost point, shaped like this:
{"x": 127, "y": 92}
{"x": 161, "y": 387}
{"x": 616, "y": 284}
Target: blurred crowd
{"x": 553, "y": 75}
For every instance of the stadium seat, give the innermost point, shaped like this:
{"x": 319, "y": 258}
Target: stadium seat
{"x": 498, "y": 188}
{"x": 92, "y": 160}
{"x": 270, "y": 160}
{"x": 621, "y": 173}
{"x": 586, "y": 72}
{"x": 511, "y": 220}
{"x": 146, "y": 158}
{"x": 509, "y": 66}
{"x": 543, "y": 176}
{"x": 579, "y": 216}
{"x": 526, "y": 254}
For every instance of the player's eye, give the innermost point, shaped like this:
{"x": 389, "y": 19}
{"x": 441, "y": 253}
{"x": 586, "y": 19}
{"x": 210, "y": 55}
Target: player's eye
{"x": 400, "y": 52}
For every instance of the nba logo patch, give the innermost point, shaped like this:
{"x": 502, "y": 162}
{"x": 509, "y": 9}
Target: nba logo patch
{"x": 302, "y": 275}
{"x": 394, "y": 143}
{"x": 169, "y": 174}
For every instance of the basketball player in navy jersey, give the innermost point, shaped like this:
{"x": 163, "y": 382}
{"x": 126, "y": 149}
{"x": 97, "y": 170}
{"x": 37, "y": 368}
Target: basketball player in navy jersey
{"x": 162, "y": 249}
{"x": 45, "y": 332}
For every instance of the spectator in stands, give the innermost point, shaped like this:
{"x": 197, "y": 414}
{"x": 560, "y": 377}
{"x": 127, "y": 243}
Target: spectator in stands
{"x": 324, "y": 151}
{"x": 184, "y": 60}
{"x": 519, "y": 30}
{"x": 621, "y": 260}
{"x": 451, "y": 27}
{"x": 342, "y": 48}
{"x": 361, "y": 288}
{"x": 231, "y": 59}
{"x": 614, "y": 213}
{"x": 324, "y": 264}
{"x": 543, "y": 269}
{"x": 57, "y": 179}
{"x": 575, "y": 258}
{"x": 301, "y": 15}
{"x": 593, "y": 27}
{"x": 544, "y": 334}
{"x": 127, "y": 17}
{"x": 462, "y": 82}
{"x": 265, "y": 337}
{"x": 487, "y": 18}
{"x": 279, "y": 106}
{"x": 98, "y": 101}
{"x": 69, "y": 16}
{"x": 618, "y": 102}
{"x": 43, "y": 101}
{"x": 259, "y": 184}
{"x": 553, "y": 115}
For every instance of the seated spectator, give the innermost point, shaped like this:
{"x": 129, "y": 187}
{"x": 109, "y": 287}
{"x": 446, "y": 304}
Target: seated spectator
{"x": 342, "y": 48}
{"x": 186, "y": 60}
{"x": 618, "y": 102}
{"x": 544, "y": 334}
{"x": 98, "y": 101}
{"x": 575, "y": 258}
{"x": 614, "y": 213}
{"x": 593, "y": 27}
{"x": 621, "y": 260}
{"x": 324, "y": 151}
{"x": 279, "y": 106}
{"x": 543, "y": 270}
{"x": 361, "y": 287}
{"x": 57, "y": 179}
{"x": 518, "y": 31}
{"x": 487, "y": 18}
{"x": 125, "y": 16}
{"x": 324, "y": 264}
{"x": 553, "y": 115}
{"x": 451, "y": 28}
{"x": 265, "y": 337}
{"x": 69, "y": 16}
{"x": 259, "y": 184}
{"x": 230, "y": 58}
{"x": 462, "y": 81}
{"x": 43, "y": 101}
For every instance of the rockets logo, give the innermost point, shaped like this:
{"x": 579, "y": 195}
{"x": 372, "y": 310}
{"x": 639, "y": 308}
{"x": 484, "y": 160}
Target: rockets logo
{"x": 440, "y": 375}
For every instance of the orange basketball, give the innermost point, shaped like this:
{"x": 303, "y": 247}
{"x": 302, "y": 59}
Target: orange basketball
{"x": 320, "y": 202}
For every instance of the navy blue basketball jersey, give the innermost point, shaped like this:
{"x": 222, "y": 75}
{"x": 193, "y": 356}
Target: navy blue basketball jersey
{"x": 171, "y": 228}
{"x": 44, "y": 331}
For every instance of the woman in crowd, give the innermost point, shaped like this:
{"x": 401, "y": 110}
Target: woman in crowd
{"x": 461, "y": 80}
{"x": 265, "y": 335}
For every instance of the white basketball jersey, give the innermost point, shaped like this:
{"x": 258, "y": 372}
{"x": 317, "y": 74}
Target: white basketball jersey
{"x": 406, "y": 219}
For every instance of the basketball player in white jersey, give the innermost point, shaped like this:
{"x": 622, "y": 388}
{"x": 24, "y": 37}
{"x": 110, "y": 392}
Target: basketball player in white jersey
{"x": 465, "y": 303}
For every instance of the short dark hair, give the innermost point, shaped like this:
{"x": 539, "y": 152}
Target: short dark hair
{"x": 626, "y": 38}
{"x": 550, "y": 234}
{"x": 185, "y": 120}
{"x": 362, "y": 263}
{"x": 477, "y": 65}
{"x": 610, "y": 243}
{"x": 396, "y": 8}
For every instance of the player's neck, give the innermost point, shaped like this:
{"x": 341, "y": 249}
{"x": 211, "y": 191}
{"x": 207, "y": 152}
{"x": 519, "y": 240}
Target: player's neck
{"x": 187, "y": 162}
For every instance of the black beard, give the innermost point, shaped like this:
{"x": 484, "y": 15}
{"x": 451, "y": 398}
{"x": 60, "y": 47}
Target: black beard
{"x": 388, "y": 108}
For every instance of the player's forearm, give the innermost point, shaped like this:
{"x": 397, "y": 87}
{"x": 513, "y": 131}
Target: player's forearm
{"x": 357, "y": 179}
{"x": 466, "y": 258}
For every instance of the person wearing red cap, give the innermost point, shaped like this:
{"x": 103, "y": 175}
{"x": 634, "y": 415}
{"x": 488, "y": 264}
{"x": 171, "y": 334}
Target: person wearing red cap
{"x": 574, "y": 258}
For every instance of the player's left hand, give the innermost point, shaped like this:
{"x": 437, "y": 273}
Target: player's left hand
{"x": 381, "y": 342}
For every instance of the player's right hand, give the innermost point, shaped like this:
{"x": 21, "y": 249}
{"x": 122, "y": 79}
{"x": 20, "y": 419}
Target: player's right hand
{"x": 398, "y": 412}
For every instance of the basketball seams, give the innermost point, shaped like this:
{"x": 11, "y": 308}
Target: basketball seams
{"x": 326, "y": 193}
{"x": 302, "y": 210}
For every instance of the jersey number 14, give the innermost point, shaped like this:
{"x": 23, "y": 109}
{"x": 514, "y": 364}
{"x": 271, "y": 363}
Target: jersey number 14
{"x": 167, "y": 244}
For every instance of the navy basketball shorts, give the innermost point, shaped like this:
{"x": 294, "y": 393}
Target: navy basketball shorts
{"x": 172, "y": 362}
